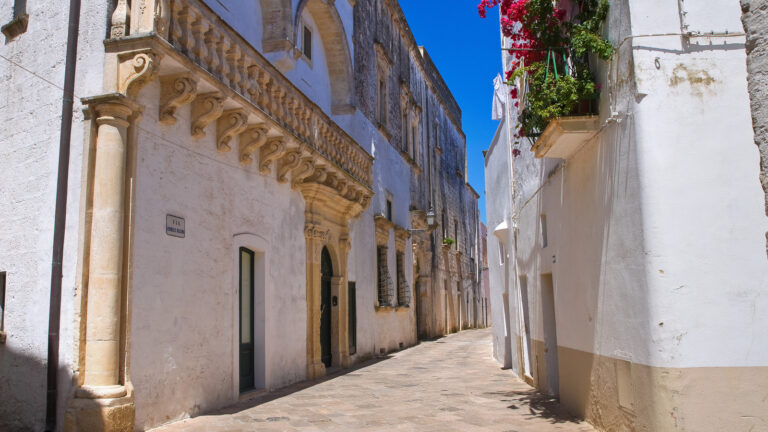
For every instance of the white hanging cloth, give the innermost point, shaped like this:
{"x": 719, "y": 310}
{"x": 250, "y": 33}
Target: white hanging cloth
{"x": 499, "y": 96}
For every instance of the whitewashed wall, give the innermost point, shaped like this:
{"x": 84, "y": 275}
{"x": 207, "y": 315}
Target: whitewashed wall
{"x": 30, "y": 114}
{"x": 183, "y": 354}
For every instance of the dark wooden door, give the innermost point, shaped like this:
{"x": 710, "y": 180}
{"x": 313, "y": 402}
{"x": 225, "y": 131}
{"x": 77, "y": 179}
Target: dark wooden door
{"x": 246, "y": 320}
{"x": 326, "y": 270}
{"x": 352, "y": 297}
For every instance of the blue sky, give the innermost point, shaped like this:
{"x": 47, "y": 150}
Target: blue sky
{"x": 466, "y": 50}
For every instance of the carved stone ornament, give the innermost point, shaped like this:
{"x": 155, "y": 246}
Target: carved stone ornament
{"x": 176, "y": 90}
{"x": 251, "y": 140}
{"x": 162, "y": 17}
{"x": 269, "y": 152}
{"x": 136, "y": 69}
{"x": 317, "y": 233}
{"x": 229, "y": 125}
{"x": 119, "y": 23}
{"x": 205, "y": 109}
{"x": 288, "y": 162}
{"x": 305, "y": 169}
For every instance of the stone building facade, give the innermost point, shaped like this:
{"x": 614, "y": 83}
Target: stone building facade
{"x": 626, "y": 249}
{"x": 755, "y": 20}
{"x": 250, "y": 185}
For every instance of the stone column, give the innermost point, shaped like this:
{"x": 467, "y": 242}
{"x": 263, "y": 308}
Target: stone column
{"x": 315, "y": 366}
{"x": 102, "y": 401}
{"x": 102, "y": 347}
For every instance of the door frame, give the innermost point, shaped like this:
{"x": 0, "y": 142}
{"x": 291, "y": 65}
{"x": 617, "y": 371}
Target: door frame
{"x": 259, "y": 246}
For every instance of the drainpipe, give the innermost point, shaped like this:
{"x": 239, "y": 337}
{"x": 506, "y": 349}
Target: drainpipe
{"x": 54, "y": 317}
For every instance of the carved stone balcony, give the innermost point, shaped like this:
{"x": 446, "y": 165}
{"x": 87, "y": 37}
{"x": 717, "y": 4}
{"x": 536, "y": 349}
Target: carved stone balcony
{"x": 234, "y": 88}
{"x": 564, "y": 136}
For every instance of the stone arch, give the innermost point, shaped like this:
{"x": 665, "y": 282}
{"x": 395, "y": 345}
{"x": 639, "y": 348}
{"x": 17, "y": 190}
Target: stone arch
{"x": 276, "y": 25}
{"x": 338, "y": 56}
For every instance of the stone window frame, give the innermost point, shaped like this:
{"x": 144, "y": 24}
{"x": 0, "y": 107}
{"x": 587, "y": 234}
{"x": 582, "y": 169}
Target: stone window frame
{"x": 383, "y": 68}
{"x": 384, "y": 285}
{"x": 403, "y": 289}
{"x": 306, "y": 30}
{"x": 19, "y": 21}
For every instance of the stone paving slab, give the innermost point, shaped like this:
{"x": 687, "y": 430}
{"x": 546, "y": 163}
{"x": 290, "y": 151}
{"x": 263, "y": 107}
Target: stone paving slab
{"x": 450, "y": 384}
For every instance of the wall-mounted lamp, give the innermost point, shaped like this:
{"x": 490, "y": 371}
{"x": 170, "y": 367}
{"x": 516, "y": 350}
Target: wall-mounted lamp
{"x": 430, "y": 222}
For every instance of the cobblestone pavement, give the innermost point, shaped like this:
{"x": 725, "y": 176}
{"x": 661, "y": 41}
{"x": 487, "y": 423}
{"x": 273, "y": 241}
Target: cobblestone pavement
{"x": 450, "y": 384}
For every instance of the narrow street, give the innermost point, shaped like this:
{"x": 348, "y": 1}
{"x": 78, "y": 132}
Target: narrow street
{"x": 450, "y": 384}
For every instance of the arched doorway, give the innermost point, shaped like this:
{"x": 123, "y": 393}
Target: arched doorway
{"x": 326, "y": 273}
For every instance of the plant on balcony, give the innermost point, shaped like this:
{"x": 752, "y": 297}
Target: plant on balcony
{"x": 447, "y": 241}
{"x": 550, "y": 53}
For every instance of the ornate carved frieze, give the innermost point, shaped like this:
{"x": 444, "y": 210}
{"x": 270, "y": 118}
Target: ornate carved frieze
{"x": 316, "y": 232}
{"x": 269, "y": 152}
{"x": 205, "y": 109}
{"x": 176, "y": 90}
{"x": 251, "y": 140}
{"x": 230, "y": 124}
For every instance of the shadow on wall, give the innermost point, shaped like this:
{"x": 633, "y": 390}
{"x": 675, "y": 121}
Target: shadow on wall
{"x": 23, "y": 390}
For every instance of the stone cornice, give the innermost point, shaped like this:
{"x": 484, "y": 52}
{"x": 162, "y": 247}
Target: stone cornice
{"x": 252, "y": 106}
{"x": 198, "y": 42}
{"x": 401, "y": 235}
{"x": 383, "y": 226}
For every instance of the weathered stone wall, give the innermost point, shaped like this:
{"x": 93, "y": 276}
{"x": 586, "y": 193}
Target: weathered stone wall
{"x": 755, "y": 20}
{"x": 438, "y": 177}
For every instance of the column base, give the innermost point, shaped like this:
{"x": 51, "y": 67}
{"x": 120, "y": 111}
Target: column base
{"x": 100, "y": 414}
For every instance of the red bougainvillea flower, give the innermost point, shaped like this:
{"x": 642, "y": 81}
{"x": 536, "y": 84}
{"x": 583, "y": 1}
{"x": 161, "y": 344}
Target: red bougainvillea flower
{"x": 515, "y": 152}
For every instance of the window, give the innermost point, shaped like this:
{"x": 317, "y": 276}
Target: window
{"x": 382, "y": 98}
{"x": 352, "y": 321}
{"x": 543, "y": 221}
{"x": 306, "y": 43}
{"x": 405, "y": 130}
{"x": 247, "y": 346}
{"x": 456, "y": 233}
{"x": 445, "y": 226}
{"x": 389, "y": 210}
{"x": 2, "y": 307}
{"x": 384, "y": 281}
{"x": 502, "y": 253}
{"x": 403, "y": 297}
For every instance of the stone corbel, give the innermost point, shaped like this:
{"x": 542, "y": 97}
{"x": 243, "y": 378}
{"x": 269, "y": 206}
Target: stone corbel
{"x": 401, "y": 235}
{"x": 305, "y": 169}
{"x": 319, "y": 175}
{"x": 288, "y": 162}
{"x": 205, "y": 109}
{"x": 269, "y": 152}
{"x": 383, "y": 226}
{"x": 251, "y": 140}
{"x": 229, "y": 125}
{"x": 365, "y": 201}
{"x": 176, "y": 91}
{"x": 135, "y": 70}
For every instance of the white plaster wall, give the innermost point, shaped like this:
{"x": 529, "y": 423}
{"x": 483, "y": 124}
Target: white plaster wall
{"x": 243, "y": 16}
{"x": 183, "y": 353}
{"x": 30, "y": 112}
{"x": 498, "y": 189}
{"x": 656, "y": 227}
{"x": 705, "y": 219}
{"x": 311, "y": 76}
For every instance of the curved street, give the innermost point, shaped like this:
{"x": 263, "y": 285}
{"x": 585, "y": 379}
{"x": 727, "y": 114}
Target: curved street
{"x": 450, "y": 384}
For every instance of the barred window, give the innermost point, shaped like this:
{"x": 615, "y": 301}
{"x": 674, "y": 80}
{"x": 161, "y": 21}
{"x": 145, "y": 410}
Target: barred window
{"x": 384, "y": 281}
{"x": 403, "y": 293}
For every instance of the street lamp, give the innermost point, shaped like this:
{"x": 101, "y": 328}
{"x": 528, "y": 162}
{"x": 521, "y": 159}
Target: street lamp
{"x": 430, "y": 222}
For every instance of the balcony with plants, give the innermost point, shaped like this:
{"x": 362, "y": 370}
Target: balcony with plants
{"x": 551, "y": 44}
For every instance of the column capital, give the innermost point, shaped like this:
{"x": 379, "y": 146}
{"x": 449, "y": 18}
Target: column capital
{"x": 112, "y": 108}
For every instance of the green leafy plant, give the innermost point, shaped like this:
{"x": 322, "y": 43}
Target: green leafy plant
{"x": 448, "y": 241}
{"x": 551, "y": 52}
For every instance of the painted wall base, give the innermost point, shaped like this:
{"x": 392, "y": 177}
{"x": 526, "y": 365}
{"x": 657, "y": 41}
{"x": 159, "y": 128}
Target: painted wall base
{"x": 618, "y": 395}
